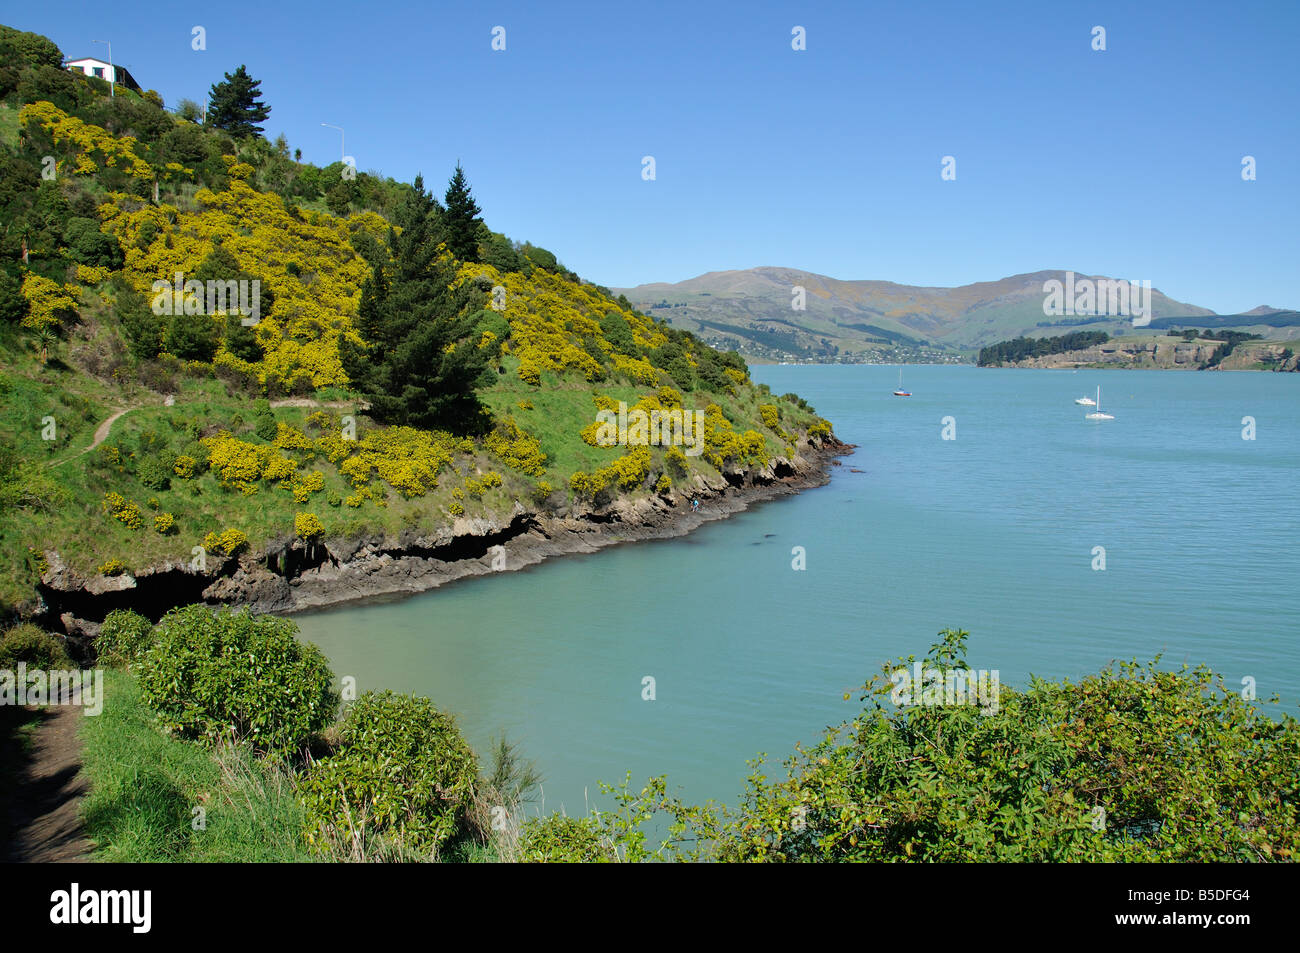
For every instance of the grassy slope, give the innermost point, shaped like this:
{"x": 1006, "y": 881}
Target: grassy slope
{"x": 144, "y": 787}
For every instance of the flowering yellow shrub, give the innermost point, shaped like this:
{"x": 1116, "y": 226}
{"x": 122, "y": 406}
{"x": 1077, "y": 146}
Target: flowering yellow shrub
{"x": 114, "y": 567}
{"x": 93, "y": 274}
{"x": 670, "y": 398}
{"x": 227, "y": 543}
{"x": 518, "y": 449}
{"x": 300, "y": 340}
{"x": 627, "y": 472}
{"x": 477, "y": 487}
{"x": 164, "y": 523}
{"x": 240, "y": 465}
{"x": 588, "y": 484}
{"x": 46, "y": 300}
{"x": 722, "y": 444}
{"x": 90, "y": 142}
{"x": 123, "y": 510}
{"x": 307, "y": 526}
{"x": 530, "y": 372}
{"x": 771, "y": 415}
{"x": 276, "y": 467}
{"x": 184, "y": 467}
{"x": 291, "y": 438}
{"x": 357, "y": 470}
{"x": 638, "y": 369}
{"x": 407, "y": 459}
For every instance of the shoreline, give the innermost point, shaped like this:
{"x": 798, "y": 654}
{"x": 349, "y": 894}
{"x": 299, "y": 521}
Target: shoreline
{"x": 296, "y": 577}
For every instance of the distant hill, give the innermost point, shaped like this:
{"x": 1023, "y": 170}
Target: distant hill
{"x": 751, "y": 312}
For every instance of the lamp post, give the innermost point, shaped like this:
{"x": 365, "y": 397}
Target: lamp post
{"x": 343, "y": 149}
{"x": 112, "y": 71}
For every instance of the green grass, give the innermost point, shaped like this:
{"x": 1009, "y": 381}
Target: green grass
{"x": 9, "y": 126}
{"x": 144, "y": 787}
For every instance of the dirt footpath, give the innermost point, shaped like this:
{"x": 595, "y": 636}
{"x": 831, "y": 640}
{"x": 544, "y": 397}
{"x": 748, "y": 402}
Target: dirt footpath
{"x": 44, "y": 806}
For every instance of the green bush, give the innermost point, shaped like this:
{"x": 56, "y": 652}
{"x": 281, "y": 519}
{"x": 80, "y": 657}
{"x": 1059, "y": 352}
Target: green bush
{"x": 123, "y": 637}
{"x": 192, "y": 337}
{"x": 33, "y": 646}
{"x": 402, "y": 772}
{"x": 264, "y": 419}
{"x": 227, "y": 675}
{"x": 558, "y": 839}
{"x": 155, "y": 473}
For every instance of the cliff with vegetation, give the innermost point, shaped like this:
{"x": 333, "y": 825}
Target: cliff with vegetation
{"x": 408, "y": 396}
{"x": 1192, "y": 352}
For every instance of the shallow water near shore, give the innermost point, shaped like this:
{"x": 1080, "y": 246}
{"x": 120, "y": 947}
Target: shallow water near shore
{"x": 993, "y": 532}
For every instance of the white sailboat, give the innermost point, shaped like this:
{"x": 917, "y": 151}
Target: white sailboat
{"x": 1097, "y": 414}
{"x": 900, "y": 392}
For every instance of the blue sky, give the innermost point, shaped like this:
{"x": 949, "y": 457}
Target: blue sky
{"x": 1125, "y": 162}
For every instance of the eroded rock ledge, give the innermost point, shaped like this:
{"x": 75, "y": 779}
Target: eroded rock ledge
{"x": 290, "y": 575}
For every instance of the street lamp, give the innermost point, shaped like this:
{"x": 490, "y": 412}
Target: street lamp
{"x": 112, "y": 72}
{"x": 343, "y": 150}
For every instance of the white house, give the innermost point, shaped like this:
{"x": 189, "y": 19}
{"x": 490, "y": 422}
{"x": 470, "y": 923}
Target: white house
{"x": 90, "y": 66}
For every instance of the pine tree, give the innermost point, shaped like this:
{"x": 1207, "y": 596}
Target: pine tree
{"x": 422, "y": 361}
{"x": 235, "y": 105}
{"x": 461, "y": 221}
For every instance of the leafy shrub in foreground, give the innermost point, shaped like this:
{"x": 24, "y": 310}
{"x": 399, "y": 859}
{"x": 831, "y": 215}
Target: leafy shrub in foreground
{"x": 402, "y": 772}
{"x": 1134, "y": 764}
{"x": 213, "y": 675}
{"x": 123, "y": 637}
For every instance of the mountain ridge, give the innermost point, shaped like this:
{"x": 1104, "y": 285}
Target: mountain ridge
{"x": 754, "y": 311}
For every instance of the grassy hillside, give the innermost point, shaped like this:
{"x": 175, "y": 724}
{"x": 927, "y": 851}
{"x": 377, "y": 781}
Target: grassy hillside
{"x": 235, "y": 436}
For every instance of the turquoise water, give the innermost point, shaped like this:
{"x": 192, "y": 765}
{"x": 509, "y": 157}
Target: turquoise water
{"x": 992, "y": 532}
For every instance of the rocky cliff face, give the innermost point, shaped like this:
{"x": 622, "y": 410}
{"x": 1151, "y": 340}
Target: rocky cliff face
{"x": 1170, "y": 353}
{"x": 1154, "y": 352}
{"x": 291, "y": 575}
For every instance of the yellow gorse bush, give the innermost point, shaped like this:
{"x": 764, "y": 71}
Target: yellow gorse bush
{"x": 549, "y": 318}
{"x": 123, "y": 510}
{"x": 307, "y": 526}
{"x": 627, "y": 472}
{"x": 47, "y": 300}
{"x": 240, "y": 465}
{"x": 313, "y": 310}
{"x": 228, "y": 542}
{"x": 92, "y": 144}
{"x": 723, "y": 445}
{"x": 520, "y": 450}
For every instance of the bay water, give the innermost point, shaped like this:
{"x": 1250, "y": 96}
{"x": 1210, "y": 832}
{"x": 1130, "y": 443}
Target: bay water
{"x": 995, "y": 530}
